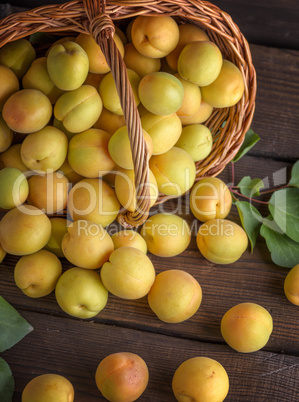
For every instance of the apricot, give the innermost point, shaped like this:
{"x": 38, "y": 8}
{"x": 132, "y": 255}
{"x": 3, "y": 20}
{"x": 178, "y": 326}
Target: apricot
{"x": 94, "y": 80}
{"x": 161, "y": 93}
{"x": 122, "y": 377}
{"x": 58, "y": 230}
{"x": 203, "y": 113}
{"x": 48, "y": 192}
{"x": 37, "y": 274}
{"x": 125, "y": 189}
{"x": 37, "y": 77}
{"x": 80, "y": 293}
{"x": 6, "y": 135}
{"x": 129, "y": 238}
{"x": 291, "y": 285}
{"x": 9, "y": 84}
{"x": 129, "y": 273}
{"x": 49, "y": 388}
{"x": 174, "y": 171}
{"x": 18, "y": 56}
{"x": 79, "y": 109}
{"x": 59, "y": 41}
{"x": 197, "y": 140}
{"x": 59, "y": 124}
{"x": 93, "y": 200}
{"x": 188, "y": 33}
{"x": 166, "y": 235}
{"x": 120, "y": 148}
{"x": 88, "y": 153}
{"x": 72, "y": 176}
{"x": 2, "y": 253}
{"x": 87, "y": 244}
{"x": 109, "y": 94}
{"x": 154, "y": 36}
{"x": 24, "y": 230}
{"x": 109, "y": 121}
{"x": 44, "y": 150}
{"x": 14, "y": 188}
{"x": 210, "y": 198}
{"x": 164, "y": 130}
{"x": 12, "y": 158}
{"x": 27, "y": 111}
{"x": 142, "y": 65}
{"x": 175, "y": 296}
{"x": 97, "y": 60}
{"x": 67, "y": 65}
{"x": 227, "y": 89}
{"x": 221, "y": 241}
{"x": 200, "y": 379}
{"x": 200, "y": 62}
{"x": 191, "y": 100}
{"x": 246, "y": 327}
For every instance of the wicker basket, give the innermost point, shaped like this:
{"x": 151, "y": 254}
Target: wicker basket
{"x": 228, "y": 126}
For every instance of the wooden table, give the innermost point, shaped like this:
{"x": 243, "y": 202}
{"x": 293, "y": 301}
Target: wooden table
{"x": 74, "y": 347}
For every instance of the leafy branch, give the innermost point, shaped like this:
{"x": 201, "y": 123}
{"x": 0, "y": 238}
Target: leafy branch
{"x": 13, "y": 327}
{"x": 280, "y": 228}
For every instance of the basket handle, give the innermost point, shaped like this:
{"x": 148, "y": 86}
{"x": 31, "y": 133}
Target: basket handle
{"x": 102, "y": 29}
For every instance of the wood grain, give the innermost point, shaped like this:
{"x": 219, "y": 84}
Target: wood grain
{"x": 268, "y": 376}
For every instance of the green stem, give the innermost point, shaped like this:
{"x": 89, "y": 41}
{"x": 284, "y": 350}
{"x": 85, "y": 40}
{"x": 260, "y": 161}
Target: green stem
{"x": 248, "y": 198}
{"x": 273, "y": 189}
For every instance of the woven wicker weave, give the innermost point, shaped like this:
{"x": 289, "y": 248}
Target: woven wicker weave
{"x": 98, "y": 19}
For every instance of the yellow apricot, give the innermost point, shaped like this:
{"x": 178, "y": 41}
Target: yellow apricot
{"x": 48, "y": 192}
{"x": 37, "y": 274}
{"x": 49, "y": 388}
{"x": 129, "y": 273}
{"x": 210, "y": 198}
{"x": 203, "y": 113}
{"x": 129, "y": 238}
{"x": 86, "y": 244}
{"x": 174, "y": 171}
{"x": 197, "y": 140}
{"x": 227, "y": 89}
{"x": 122, "y": 377}
{"x": 221, "y": 241}
{"x": 246, "y": 327}
{"x": 24, "y": 230}
{"x": 166, "y": 235}
{"x": 93, "y": 200}
{"x": 188, "y": 33}
{"x": 291, "y": 285}
{"x": 200, "y": 379}
{"x": 175, "y": 296}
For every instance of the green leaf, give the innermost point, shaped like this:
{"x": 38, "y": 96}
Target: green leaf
{"x": 295, "y": 175}
{"x": 284, "y": 251}
{"x": 251, "y": 220}
{"x": 13, "y": 327}
{"x": 284, "y": 207}
{"x": 251, "y": 138}
{"x": 250, "y": 187}
{"x": 7, "y": 383}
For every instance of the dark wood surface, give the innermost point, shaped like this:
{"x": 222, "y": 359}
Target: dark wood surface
{"x": 74, "y": 347}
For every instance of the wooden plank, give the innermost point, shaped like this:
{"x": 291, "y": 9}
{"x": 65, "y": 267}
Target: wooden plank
{"x": 276, "y": 118}
{"x": 80, "y": 346}
{"x": 277, "y": 25}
